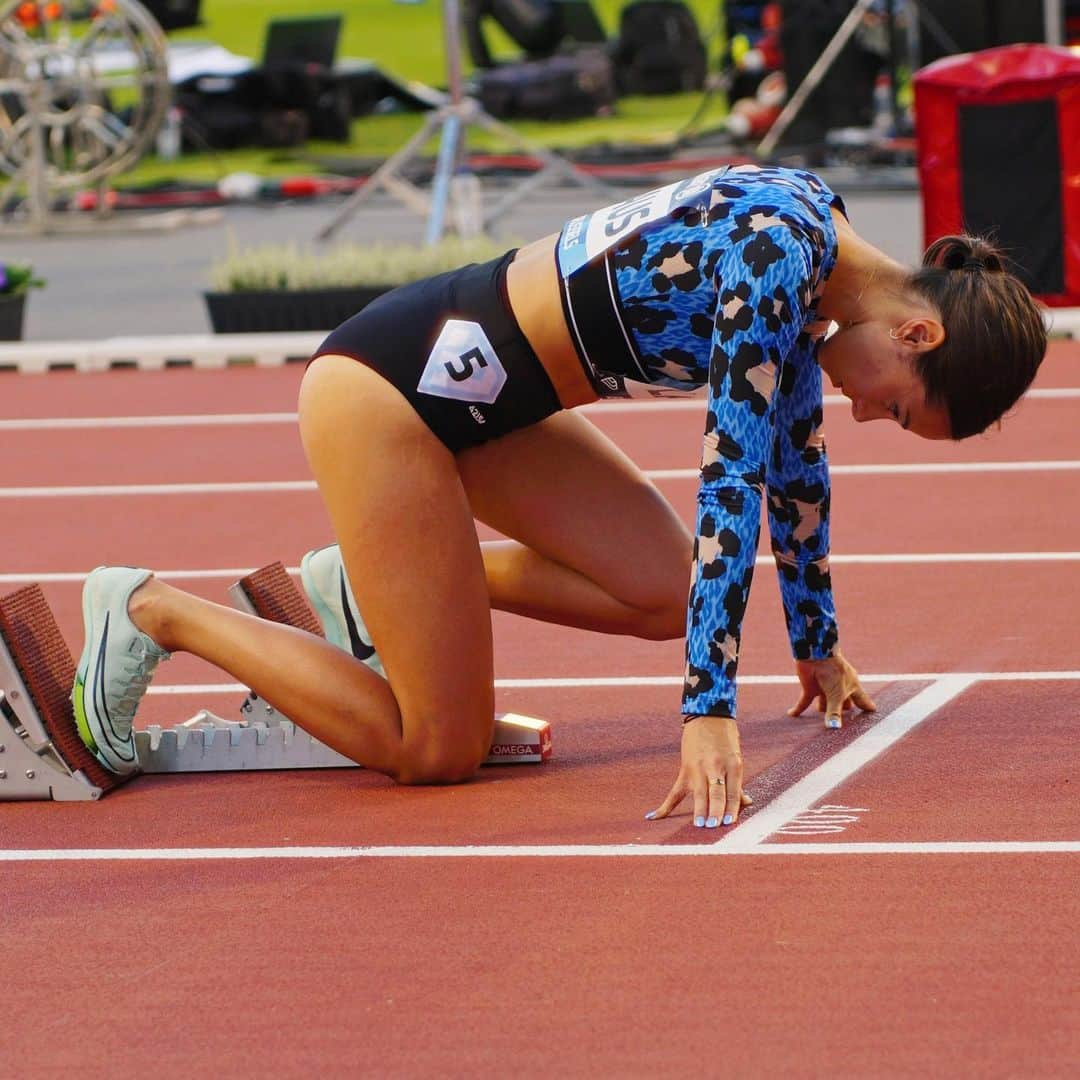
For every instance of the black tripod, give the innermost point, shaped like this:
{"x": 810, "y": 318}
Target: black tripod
{"x": 453, "y": 118}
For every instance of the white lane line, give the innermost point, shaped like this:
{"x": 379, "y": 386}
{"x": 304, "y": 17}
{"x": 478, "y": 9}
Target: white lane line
{"x": 630, "y": 681}
{"x": 89, "y": 423}
{"x": 242, "y": 487}
{"x": 802, "y": 795}
{"x": 912, "y": 468}
{"x": 256, "y": 487}
{"x": 105, "y": 423}
{"x": 65, "y": 577}
{"x": 950, "y": 557}
{"x": 696, "y": 402}
{"x": 539, "y": 851}
{"x": 917, "y": 847}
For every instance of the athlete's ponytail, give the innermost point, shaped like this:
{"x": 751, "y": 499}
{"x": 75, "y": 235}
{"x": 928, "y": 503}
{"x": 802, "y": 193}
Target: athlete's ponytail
{"x": 995, "y": 334}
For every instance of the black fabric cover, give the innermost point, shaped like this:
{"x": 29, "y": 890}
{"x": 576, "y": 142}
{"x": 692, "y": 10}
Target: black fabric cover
{"x": 1010, "y": 165}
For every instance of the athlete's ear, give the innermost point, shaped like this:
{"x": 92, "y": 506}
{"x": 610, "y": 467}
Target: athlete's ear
{"x": 921, "y": 333}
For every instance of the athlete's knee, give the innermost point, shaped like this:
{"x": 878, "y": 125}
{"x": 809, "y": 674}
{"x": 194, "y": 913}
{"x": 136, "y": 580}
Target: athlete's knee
{"x": 663, "y": 611}
{"x": 442, "y": 756}
{"x": 666, "y": 622}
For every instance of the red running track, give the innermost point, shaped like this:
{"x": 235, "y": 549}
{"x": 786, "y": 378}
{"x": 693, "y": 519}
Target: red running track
{"x": 584, "y": 940}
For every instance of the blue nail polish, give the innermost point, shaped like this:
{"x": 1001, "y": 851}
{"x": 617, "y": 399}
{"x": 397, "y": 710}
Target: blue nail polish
{"x": 728, "y": 819}
{"x": 699, "y": 822}
{"x": 711, "y": 823}
{"x": 833, "y": 722}
{"x": 650, "y": 815}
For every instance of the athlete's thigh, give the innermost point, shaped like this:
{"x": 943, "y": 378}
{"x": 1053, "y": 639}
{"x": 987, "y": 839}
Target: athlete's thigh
{"x": 566, "y": 490}
{"x": 407, "y": 538}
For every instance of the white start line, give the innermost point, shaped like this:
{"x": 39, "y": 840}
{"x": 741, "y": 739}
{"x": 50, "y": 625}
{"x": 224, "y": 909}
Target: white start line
{"x": 747, "y": 838}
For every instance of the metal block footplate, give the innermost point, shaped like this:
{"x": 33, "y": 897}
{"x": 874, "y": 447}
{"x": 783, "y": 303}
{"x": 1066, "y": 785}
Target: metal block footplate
{"x": 210, "y": 743}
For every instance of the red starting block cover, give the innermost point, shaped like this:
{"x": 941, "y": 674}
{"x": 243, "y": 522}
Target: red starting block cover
{"x": 998, "y": 135}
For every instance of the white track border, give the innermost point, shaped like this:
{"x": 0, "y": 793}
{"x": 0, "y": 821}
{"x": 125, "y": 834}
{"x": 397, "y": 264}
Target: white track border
{"x": 748, "y": 838}
{"x": 556, "y": 851}
{"x": 278, "y": 487}
{"x": 684, "y": 403}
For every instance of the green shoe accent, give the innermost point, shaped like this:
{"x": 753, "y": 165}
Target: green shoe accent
{"x": 81, "y": 724}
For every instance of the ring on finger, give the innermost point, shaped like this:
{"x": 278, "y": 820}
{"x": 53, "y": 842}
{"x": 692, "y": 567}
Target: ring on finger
{"x": 717, "y": 780}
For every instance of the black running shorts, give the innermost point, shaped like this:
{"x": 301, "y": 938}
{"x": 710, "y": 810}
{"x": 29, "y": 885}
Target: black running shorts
{"x": 452, "y": 346}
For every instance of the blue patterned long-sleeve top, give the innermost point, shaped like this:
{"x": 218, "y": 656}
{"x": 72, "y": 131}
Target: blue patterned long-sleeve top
{"x": 716, "y": 280}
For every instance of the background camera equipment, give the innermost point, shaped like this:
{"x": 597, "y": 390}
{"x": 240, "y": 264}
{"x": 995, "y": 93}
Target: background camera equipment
{"x": 306, "y": 41}
{"x": 451, "y": 120}
{"x": 660, "y": 50}
{"x": 561, "y": 87}
{"x": 294, "y": 94}
{"x": 538, "y": 27}
{"x": 566, "y": 73}
{"x": 174, "y": 14}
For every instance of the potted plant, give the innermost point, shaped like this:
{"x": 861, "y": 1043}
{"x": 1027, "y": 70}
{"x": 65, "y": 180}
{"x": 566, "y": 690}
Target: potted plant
{"x": 16, "y": 279}
{"x": 286, "y": 287}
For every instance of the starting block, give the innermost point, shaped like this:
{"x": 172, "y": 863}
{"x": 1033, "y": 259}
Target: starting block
{"x": 43, "y": 757}
{"x": 41, "y": 754}
{"x": 271, "y": 594}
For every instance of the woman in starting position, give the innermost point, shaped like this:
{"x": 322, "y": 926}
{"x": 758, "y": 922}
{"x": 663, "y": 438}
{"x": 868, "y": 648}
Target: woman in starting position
{"x": 451, "y": 399}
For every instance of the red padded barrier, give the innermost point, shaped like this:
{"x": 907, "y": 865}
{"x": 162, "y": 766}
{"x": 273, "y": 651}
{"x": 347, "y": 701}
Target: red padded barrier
{"x": 1009, "y": 75}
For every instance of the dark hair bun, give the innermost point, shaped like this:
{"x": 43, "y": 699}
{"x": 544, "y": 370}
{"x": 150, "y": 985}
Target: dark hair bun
{"x": 995, "y": 334}
{"x": 964, "y": 253}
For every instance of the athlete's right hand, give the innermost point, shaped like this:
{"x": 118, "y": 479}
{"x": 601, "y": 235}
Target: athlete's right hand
{"x": 712, "y": 772}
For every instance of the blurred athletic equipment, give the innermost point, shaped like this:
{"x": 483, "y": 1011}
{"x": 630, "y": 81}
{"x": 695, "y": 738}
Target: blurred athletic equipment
{"x": 537, "y": 27}
{"x": 659, "y": 50}
{"x": 451, "y": 120}
{"x": 174, "y": 14}
{"x": 566, "y": 71}
{"x": 293, "y": 94}
{"x": 83, "y": 90}
{"x": 997, "y": 151}
{"x": 42, "y": 756}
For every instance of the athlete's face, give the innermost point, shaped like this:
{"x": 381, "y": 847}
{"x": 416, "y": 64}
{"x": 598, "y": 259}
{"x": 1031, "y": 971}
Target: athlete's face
{"x": 877, "y": 373}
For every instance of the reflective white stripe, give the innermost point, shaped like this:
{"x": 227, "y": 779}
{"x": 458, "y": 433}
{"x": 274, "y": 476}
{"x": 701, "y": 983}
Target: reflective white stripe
{"x": 689, "y": 402}
{"x": 257, "y": 487}
{"x": 539, "y": 851}
{"x": 586, "y": 682}
{"x": 884, "y": 559}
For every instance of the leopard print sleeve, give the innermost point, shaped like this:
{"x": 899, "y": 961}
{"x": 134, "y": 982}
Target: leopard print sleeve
{"x": 767, "y": 275}
{"x": 798, "y": 505}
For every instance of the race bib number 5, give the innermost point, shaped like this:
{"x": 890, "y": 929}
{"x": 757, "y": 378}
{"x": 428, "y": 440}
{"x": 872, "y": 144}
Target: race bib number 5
{"x": 462, "y": 365}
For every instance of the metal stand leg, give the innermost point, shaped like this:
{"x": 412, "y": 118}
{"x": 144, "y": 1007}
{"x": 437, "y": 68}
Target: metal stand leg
{"x": 453, "y": 119}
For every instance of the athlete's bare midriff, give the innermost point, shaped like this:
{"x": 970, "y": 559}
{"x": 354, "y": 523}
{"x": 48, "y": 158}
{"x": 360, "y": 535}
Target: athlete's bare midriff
{"x": 533, "y": 288}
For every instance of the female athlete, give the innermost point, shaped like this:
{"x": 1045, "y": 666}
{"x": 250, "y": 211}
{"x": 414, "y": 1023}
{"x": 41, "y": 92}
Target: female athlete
{"x": 452, "y": 399}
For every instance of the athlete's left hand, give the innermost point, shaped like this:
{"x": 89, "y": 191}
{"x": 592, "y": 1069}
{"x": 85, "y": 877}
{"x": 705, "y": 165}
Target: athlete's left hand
{"x": 834, "y": 683}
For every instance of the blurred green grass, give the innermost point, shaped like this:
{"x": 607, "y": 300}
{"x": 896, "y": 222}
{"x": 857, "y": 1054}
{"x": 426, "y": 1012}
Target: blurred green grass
{"x": 405, "y": 41}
